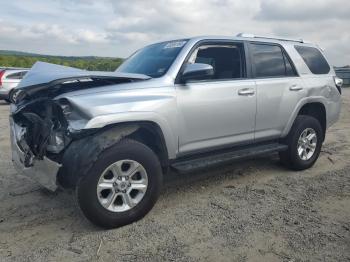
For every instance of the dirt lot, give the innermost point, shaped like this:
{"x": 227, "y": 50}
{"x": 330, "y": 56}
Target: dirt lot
{"x": 250, "y": 211}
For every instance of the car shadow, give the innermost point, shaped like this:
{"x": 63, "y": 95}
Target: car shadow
{"x": 64, "y": 204}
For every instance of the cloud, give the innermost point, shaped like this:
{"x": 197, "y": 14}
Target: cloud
{"x": 117, "y": 28}
{"x": 88, "y": 36}
{"x": 163, "y": 20}
{"x": 54, "y": 32}
{"x": 300, "y": 10}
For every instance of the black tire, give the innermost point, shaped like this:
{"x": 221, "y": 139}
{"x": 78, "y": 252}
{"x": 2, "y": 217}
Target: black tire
{"x": 8, "y": 99}
{"x": 290, "y": 157}
{"x": 86, "y": 189}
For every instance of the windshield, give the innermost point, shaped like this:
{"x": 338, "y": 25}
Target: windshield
{"x": 153, "y": 60}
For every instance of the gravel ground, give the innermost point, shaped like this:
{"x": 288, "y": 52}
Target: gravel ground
{"x": 248, "y": 211}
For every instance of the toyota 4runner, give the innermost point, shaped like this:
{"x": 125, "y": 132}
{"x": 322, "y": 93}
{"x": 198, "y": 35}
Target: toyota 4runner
{"x": 183, "y": 105}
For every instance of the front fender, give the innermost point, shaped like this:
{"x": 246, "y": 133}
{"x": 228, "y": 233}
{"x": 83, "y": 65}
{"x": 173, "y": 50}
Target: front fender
{"x": 156, "y": 105}
{"x": 110, "y": 119}
{"x": 81, "y": 154}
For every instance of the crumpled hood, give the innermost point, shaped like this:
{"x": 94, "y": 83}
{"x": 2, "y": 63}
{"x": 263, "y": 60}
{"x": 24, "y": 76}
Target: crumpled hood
{"x": 45, "y": 78}
{"x": 43, "y": 73}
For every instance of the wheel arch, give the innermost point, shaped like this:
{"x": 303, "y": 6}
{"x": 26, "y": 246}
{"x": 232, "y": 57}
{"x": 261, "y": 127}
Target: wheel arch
{"x": 151, "y": 134}
{"x": 318, "y": 111}
{"x": 81, "y": 154}
{"x": 165, "y": 127}
{"x": 315, "y": 107}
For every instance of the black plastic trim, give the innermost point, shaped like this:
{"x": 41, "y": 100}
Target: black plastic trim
{"x": 202, "y": 161}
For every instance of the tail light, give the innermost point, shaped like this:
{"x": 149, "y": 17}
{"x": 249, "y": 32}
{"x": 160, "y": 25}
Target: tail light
{"x": 1, "y": 75}
{"x": 338, "y": 83}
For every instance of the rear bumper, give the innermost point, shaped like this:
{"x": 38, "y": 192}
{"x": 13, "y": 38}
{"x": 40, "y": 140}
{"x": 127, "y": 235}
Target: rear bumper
{"x": 42, "y": 171}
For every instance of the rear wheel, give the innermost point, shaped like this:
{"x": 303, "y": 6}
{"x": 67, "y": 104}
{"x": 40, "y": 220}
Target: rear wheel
{"x": 304, "y": 143}
{"x": 122, "y": 186}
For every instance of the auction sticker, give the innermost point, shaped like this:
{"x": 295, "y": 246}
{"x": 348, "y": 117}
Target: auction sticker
{"x": 175, "y": 44}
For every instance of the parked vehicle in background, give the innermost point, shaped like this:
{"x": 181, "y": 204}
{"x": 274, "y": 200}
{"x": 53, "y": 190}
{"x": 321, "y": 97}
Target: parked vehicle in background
{"x": 9, "y": 79}
{"x": 185, "y": 104}
{"x": 343, "y": 73}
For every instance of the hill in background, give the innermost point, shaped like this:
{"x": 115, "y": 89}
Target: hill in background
{"x": 9, "y": 58}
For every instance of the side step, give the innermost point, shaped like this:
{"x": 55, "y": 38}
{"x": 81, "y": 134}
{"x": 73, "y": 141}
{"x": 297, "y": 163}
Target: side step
{"x": 204, "y": 161}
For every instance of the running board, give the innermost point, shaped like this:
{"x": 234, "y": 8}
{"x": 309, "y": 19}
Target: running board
{"x": 201, "y": 162}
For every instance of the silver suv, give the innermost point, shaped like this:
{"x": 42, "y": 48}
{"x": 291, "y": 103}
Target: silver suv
{"x": 183, "y": 105}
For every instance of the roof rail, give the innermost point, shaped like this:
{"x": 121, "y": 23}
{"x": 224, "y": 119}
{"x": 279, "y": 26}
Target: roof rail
{"x": 267, "y": 37}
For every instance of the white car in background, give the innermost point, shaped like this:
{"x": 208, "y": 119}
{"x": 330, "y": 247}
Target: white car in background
{"x": 9, "y": 79}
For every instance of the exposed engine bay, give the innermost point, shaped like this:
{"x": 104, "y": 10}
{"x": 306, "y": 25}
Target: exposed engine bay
{"x": 44, "y": 129}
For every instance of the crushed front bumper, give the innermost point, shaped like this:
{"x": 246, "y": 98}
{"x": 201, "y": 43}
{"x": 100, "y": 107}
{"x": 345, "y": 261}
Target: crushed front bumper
{"x": 43, "y": 171}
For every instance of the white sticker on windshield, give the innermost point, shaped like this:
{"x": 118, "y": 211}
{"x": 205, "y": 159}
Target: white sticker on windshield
{"x": 175, "y": 44}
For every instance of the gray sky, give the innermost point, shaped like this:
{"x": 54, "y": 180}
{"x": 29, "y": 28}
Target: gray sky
{"x": 117, "y": 28}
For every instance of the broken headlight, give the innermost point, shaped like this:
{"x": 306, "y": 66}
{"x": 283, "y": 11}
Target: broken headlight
{"x": 57, "y": 142}
{"x": 66, "y": 108}
{"x": 75, "y": 118}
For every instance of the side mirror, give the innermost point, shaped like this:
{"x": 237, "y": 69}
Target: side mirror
{"x": 197, "y": 71}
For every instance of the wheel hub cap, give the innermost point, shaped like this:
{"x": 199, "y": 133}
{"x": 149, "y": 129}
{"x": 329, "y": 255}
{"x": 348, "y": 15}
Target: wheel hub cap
{"x": 307, "y": 144}
{"x": 122, "y": 185}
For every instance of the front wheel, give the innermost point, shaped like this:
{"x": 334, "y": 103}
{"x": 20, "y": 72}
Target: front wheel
{"x": 122, "y": 186}
{"x": 304, "y": 143}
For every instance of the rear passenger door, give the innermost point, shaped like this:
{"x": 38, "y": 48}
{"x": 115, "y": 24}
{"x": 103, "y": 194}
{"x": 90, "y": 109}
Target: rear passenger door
{"x": 279, "y": 89}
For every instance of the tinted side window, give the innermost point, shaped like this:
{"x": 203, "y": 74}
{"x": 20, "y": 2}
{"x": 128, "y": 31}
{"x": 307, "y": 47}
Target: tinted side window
{"x": 268, "y": 60}
{"x": 227, "y": 60}
{"x": 313, "y": 59}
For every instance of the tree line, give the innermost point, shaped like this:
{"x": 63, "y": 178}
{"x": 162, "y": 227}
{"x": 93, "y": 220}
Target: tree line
{"x": 87, "y": 63}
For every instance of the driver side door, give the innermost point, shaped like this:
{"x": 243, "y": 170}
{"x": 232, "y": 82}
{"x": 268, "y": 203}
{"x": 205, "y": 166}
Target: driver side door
{"x": 220, "y": 111}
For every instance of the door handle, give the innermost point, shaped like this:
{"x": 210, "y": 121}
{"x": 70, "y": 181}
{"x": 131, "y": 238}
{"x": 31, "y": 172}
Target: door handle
{"x": 295, "y": 88}
{"x": 246, "y": 92}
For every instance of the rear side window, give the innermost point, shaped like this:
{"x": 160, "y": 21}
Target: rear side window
{"x": 270, "y": 61}
{"x": 313, "y": 59}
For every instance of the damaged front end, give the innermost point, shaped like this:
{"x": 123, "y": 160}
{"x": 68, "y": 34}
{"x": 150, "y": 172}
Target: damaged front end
{"x": 24, "y": 160}
{"x": 39, "y": 133}
{"x": 43, "y": 126}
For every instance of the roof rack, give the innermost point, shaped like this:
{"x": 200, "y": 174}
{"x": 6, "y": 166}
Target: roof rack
{"x": 267, "y": 37}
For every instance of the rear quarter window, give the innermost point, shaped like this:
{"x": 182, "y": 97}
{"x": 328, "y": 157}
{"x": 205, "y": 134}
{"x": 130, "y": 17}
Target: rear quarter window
{"x": 313, "y": 59}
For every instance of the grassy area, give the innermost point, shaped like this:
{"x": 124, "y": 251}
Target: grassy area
{"x": 20, "y": 59}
